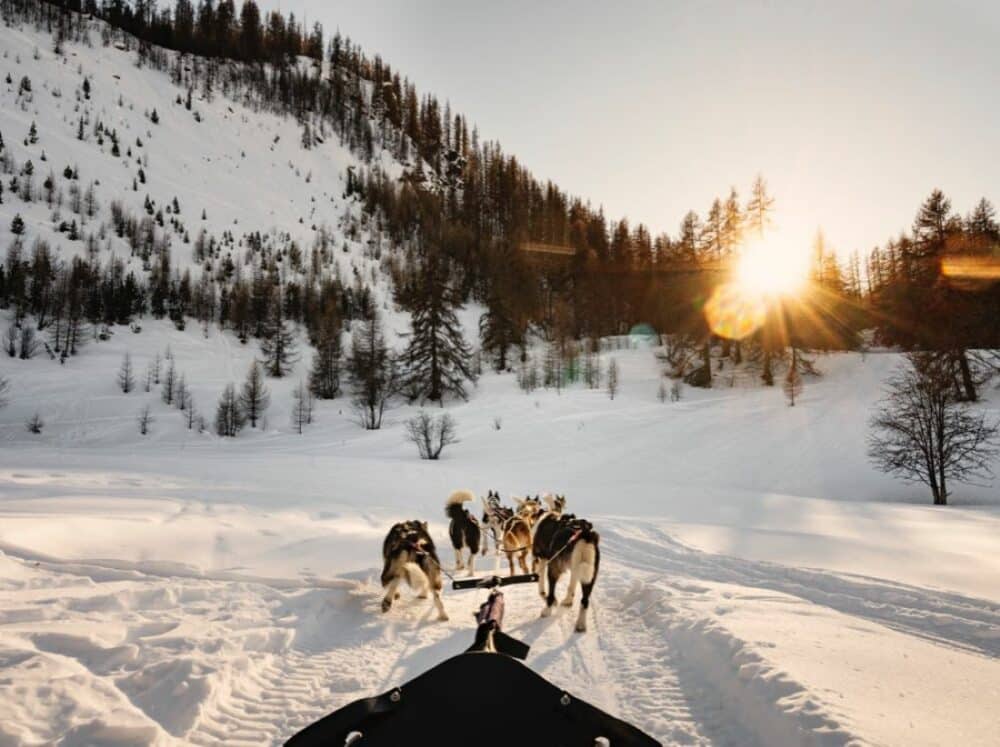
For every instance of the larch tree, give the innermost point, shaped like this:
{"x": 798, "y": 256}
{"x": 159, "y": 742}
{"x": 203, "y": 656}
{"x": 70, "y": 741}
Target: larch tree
{"x": 254, "y": 396}
{"x": 126, "y": 375}
{"x": 372, "y": 372}
{"x": 229, "y": 417}
{"x": 324, "y": 376}
{"x": 277, "y": 343}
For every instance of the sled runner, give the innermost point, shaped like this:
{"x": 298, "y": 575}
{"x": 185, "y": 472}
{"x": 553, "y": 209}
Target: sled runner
{"x": 483, "y": 697}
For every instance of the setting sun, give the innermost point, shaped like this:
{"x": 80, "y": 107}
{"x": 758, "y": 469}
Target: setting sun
{"x": 773, "y": 266}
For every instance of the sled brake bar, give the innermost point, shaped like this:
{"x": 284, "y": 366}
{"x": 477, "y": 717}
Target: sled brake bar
{"x": 491, "y": 582}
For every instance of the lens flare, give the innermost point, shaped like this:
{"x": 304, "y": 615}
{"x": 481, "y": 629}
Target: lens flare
{"x": 772, "y": 265}
{"x": 734, "y": 311}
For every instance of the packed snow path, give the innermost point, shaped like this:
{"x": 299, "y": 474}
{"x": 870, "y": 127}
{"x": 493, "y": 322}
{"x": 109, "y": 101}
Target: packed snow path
{"x": 154, "y": 657}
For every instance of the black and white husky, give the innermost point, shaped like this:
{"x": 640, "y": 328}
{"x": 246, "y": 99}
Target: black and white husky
{"x": 573, "y": 547}
{"x": 541, "y": 537}
{"x": 408, "y": 554}
{"x": 464, "y": 528}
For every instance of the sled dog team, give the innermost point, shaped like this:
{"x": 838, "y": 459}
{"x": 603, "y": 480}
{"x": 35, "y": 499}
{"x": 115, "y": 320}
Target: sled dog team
{"x": 556, "y": 541}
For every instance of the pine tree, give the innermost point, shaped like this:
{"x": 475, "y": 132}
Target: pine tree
{"x": 229, "y": 417}
{"x": 17, "y": 225}
{"x": 277, "y": 343}
{"x": 254, "y": 397}
{"x": 126, "y": 376}
{"x": 437, "y": 357}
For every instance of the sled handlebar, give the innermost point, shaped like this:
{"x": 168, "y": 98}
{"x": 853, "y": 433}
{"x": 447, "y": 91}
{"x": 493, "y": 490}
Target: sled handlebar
{"x": 492, "y": 582}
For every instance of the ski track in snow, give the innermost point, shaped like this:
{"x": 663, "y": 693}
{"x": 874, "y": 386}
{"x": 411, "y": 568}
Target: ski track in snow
{"x": 212, "y": 661}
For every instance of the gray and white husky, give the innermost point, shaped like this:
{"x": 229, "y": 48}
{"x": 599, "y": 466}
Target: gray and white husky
{"x": 572, "y": 546}
{"x": 408, "y": 554}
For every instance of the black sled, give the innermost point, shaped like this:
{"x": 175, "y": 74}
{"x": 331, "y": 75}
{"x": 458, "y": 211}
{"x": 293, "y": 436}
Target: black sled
{"x": 484, "y": 697}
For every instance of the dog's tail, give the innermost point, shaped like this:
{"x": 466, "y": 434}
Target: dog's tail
{"x": 453, "y": 506}
{"x": 585, "y": 558}
{"x": 415, "y": 577}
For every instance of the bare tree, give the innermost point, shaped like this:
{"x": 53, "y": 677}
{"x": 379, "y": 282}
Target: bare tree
{"x": 431, "y": 436}
{"x": 793, "y": 383}
{"x": 374, "y": 373}
{"x": 191, "y": 415}
{"x": 126, "y": 376}
{"x": 169, "y": 390}
{"x": 183, "y": 394}
{"x": 145, "y": 420}
{"x": 229, "y": 418}
{"x": 923, "y": 433}
{"x": 302, "y": 409}
{"x": 254, "y": 397}
{"x": 34, "y": 424}
{"x": 613, "y": 378}
{"x": 10, "y": 338}
{"x": 29, "y": 342}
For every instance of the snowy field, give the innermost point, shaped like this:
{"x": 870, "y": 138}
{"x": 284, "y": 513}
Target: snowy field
{"x": 761, "y": 584}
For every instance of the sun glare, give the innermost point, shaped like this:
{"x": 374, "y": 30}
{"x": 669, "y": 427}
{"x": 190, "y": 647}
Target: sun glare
{"x": 771, "y": 266}
{"x": 767, "y": 270}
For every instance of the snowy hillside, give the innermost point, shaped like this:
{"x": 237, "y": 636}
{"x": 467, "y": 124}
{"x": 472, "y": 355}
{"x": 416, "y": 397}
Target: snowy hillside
{"x": 761, "y": 583}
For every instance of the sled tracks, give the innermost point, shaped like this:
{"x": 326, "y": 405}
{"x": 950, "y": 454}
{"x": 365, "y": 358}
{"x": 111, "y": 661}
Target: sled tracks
{"x": 946, "y": 618}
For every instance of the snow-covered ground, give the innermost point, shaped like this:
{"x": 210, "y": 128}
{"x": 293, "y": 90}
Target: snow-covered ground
{"x": 761, "y": 584}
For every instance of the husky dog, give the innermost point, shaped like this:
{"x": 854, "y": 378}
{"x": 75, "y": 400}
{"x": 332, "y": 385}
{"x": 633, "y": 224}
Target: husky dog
{"x": 463, "y": 529}
{"x": 511, "y": 529}
{"x": 542, "y": 532}
{"x": 573, "y": 547}
{"x": 408, "y": 555}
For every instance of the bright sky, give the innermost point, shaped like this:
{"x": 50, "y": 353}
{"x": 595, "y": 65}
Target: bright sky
{"x": 853, "y": 111}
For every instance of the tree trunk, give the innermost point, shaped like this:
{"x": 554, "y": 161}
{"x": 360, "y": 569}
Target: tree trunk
{"x": 967, "y": 383}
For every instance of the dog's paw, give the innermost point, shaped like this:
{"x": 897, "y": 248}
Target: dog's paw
{"x": 547, "y": 612}
{"x": 443, "y": 617}
{"x": 386, "y": 604}
{"x": 581, "y": 627}
{"x": 397, "y": 595}
{"x": 568, "y": 602}
{"x": 423, "y": 595}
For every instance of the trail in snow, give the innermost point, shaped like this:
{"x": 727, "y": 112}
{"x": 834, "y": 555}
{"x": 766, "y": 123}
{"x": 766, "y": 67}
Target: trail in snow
{"x": 944, "y": 617}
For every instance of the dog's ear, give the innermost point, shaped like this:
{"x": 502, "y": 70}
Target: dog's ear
{"x": 424, "y": 525}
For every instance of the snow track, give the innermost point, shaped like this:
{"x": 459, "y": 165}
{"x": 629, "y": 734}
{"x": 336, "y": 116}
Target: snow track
{"x": 944, "y": 617}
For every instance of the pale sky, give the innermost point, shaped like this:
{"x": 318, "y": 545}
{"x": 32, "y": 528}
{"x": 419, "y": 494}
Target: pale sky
{"x": 853, "y": 111}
